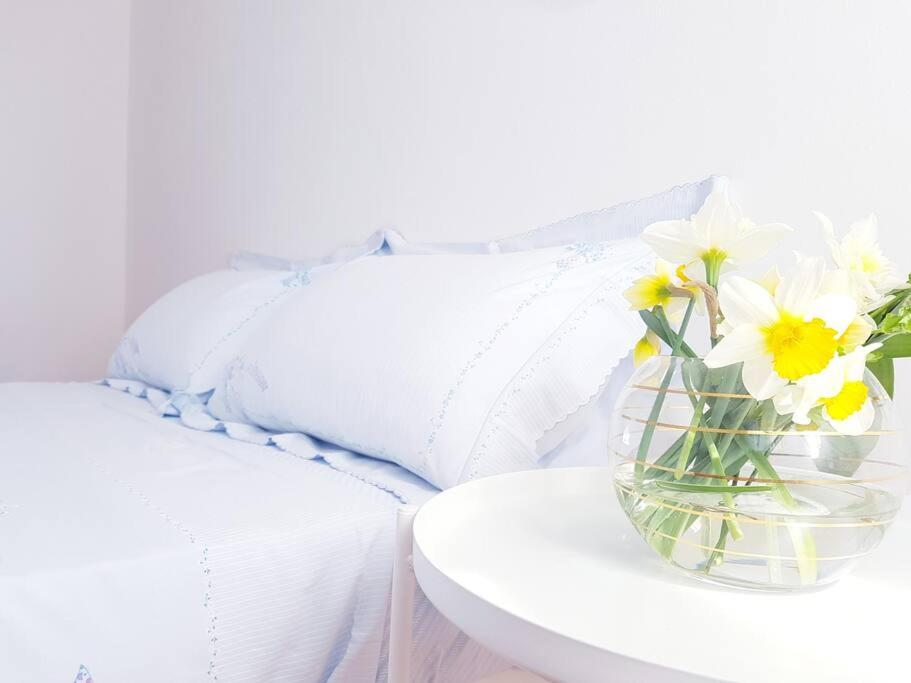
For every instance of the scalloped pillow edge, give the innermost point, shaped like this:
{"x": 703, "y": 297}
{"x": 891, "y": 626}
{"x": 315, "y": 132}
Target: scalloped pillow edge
{"x": 566, "y": 382}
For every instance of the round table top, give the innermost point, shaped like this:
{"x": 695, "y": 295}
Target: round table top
{"x": 543, "y": 568}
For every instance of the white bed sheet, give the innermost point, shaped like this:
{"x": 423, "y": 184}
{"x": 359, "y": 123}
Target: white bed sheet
{"x": 143, "y": 550}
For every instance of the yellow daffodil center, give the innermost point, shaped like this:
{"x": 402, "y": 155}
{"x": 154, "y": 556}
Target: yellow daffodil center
{"x": 870, "y": 262}
{"x": 848, "y": 401}
{"x": 649, "y": 291}
{"x": 681, "y": 273}
{"x": 799, "y": 347}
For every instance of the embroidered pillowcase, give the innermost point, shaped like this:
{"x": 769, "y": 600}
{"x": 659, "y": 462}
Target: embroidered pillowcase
{"x": 184, "y": 340}
{"x": 453, "y": 366}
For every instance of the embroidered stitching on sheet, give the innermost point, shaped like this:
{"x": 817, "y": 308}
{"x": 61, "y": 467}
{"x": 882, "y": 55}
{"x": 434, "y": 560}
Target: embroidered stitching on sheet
{"x": 187, "y": 533}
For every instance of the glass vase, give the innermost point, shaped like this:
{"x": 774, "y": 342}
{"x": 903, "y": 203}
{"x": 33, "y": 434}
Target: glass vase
{"x": 726, "y": 489}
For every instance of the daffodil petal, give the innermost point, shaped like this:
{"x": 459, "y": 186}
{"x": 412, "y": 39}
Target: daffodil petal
{"x": 825, "y": 223}
{"x": 787, "y": 399}
{"x": 856, "y": 362}
{"x": 837, "y": 311}
{"x": 798, "y": 290}
{"x": 673, "y": 241}
{"x": 716, "y": 222}
{"x": 745, "y": 302}
{"x": 760, "y": 378}
{"x": 756, "y": 242}
{"x": 858, "y": 333}
{"x": 675, "y": 308}
{"x": 665, "y": 269}
{"x": 647, "y": 347}
{"x": 794, "y": 401}
{"x": 742, "y": 343}
{"x": 771, "y": 280}
{"x": 826, "y": 383}
{"x": 865, "y": 230}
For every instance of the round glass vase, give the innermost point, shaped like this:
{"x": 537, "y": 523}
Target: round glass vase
{"x": 726, "y": 489}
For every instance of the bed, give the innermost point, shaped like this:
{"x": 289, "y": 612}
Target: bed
{"x": 138, "y": 549}
{"x": 223, "y": 507}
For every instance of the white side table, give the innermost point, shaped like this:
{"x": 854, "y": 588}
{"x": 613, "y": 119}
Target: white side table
{"x": 543, "y": 568}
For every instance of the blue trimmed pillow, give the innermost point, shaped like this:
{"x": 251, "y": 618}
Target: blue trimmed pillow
{"x": 184, "y": 340}
{"x": 453, "y": 366}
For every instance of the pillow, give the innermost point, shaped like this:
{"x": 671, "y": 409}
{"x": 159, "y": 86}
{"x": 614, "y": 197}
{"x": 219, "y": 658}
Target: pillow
{"x": 453, "y": 366}
{"x": 184, "y": 340}
{"x": 245, "y": 260}
{"x": 623, "y": 220}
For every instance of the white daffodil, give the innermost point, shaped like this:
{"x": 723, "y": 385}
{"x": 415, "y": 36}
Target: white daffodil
{"x": 859, "y": 255}
{"x": 657, "y": 290}
{"x": 848, "y": 284}
{"x": 784, "y": 337}
{"x": 839, "y": 389}
{"x": 718, "y": 232}
{"x": 855, "y": 285}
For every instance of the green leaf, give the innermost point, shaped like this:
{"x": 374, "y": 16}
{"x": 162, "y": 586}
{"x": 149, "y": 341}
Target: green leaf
{"x": 897, "y": 346}
{"x": 884, "y": 369}
{"x": 895, "y": 301}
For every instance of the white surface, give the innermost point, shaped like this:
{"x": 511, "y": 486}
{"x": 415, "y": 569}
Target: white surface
{"x": 151, "y": 552}
{"x": 63, "y": 149}
{"x": 543, "y": 568}
{"x": 452, "y": 366}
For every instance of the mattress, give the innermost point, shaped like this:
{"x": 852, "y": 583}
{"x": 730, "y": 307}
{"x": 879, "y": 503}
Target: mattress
{"x": 133, "y": 548}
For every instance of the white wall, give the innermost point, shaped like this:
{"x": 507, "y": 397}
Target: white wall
{"x": 63, "y": 99}
{"x": 291, "y": 126}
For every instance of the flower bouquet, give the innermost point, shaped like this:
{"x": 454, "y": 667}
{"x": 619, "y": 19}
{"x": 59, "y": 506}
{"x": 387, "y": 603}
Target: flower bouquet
{"x": 772, "y": 460}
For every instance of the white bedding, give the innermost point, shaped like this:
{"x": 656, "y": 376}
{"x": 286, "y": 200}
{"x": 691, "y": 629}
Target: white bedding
{"x": 146, "y": 551}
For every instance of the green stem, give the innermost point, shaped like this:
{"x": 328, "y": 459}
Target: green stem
{"x": 715, "y": 557}
{"x": 687, "y": 448}
{"x": 684, "y": 348}
{"x": 734, "y": 527}
{"x": 708, "y": 488}
{"x": 649, "y": 431}
{"x": 801, "y": 537}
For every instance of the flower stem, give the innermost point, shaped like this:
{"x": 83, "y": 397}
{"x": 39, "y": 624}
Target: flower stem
{"x": 649, "y": 431}
{"x": 801, "y": 537}
{"x": 687, "y": 448}
{"x": 717, "y": 465}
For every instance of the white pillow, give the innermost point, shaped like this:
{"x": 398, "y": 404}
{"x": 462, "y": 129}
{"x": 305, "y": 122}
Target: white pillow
{"x": 245, "y": 260}
{"x": 623, "y": 220}
{"x": 184, "y": 340}
{"x": 453, "y": 366}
